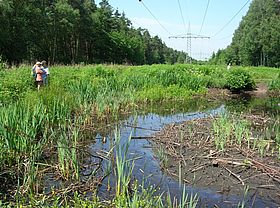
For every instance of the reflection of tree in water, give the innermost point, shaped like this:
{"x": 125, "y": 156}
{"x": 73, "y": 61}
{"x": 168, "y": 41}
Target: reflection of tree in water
{"x": 253, "y": 105}
{"x": 166, "y": 108}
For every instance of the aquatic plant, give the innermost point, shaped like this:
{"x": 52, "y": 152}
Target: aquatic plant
{"x": 162, "y": 156}
{"x": 240, "y": 130}
{"x": 242, "y": 204}
{"x": 31, "y": 121}
{"x": 221, "y": 131}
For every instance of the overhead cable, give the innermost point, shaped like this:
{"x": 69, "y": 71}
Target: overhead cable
{"x": 204, "y": 16}
{"x": 180, "y": 8}
{"x": 154, "y": 17}
{"x": 231, "y": 19}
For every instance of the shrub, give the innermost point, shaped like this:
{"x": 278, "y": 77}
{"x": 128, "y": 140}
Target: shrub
{"x": 239, "y": 80}
{"x": 275, "y": 84}
{"x": 274, "y": 87}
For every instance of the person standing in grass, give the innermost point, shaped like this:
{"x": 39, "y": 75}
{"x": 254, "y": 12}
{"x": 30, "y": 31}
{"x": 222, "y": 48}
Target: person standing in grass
{"x": 47, "y": 73}
{"x": 39, "y": 74}
{"x": 33, "y": 73}
{"x": 228, "y": 66}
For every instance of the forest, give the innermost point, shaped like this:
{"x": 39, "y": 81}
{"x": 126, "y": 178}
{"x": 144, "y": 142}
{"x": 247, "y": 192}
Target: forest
{"x": 76, "y": 31}
{"x": 257, "y": 39}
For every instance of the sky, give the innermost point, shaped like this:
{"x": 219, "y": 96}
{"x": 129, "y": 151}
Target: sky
{"x": 173, "y": 18}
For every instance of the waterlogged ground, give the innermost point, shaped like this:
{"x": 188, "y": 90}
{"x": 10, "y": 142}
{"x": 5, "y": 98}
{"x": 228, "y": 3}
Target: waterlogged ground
{"x": 236, "y": 171}
{"x": 171, "y": 148}
{"x": 174, "y": 149}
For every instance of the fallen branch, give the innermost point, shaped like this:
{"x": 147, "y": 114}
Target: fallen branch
{"x": 226, "y": 161}
{"x": 139, "y": 127}
{"x": 235, "y": 175}
{"x": 142, "y": 137}
{"x": 199, "y": 167}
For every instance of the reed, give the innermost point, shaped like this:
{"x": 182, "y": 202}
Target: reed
{"x": 30, "y": 121}
{"x": 21, "y": 129}
{"x": 67, "y": 153}
{"x": 162, "y": 156}
{"x": 221, "y": 131}
{"x": 242, "y": 204}
{"x": 123, "y": 166}
{"x": 230, "y": 130}
{"x": 131, "y": 194}
{"x": 240, "y": 127}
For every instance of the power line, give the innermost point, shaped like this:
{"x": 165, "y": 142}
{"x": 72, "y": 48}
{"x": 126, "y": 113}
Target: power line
{"x": 204, "y": 16}
{"x": 223, "y": 38}
{"x": 154, "y": 17}
{"x": 187, "y": 9}
{"x": 189, "y": 36}
{"x": 231, "y": 19}
{"x": 180, "y": 8}
{"x": 139, "y": 26}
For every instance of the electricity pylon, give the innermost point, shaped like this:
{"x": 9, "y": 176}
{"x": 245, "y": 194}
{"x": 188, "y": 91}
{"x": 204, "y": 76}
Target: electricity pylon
{"x": 189, "y": 36}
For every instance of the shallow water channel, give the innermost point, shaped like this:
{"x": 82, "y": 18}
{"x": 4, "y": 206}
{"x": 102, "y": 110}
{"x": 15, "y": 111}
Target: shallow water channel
{"x": 141, "y": 127}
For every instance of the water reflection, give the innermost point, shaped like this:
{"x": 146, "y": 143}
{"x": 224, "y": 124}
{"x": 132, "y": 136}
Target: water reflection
{"x": 147, "y": 166}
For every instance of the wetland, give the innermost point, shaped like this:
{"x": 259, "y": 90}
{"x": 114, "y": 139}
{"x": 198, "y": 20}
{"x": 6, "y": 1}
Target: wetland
{"x": 149, "y": 136}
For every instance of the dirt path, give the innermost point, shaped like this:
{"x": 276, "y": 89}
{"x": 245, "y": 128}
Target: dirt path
{"x": 218, "y": 94}
{"x": 261, "y": 90}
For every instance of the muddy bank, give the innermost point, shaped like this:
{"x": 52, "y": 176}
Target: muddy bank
{"x": 224, "y": 94}
{"x": 192, "y": 156}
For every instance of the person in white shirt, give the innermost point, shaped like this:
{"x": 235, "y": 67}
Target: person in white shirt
{"x": 228, "y": 66}
{"x": 47, "y": 73}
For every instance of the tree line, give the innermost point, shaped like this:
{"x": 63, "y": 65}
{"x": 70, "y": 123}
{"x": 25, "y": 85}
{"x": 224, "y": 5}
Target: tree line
{"x": 76, "y": 31}
{"x": 257, "y": 39}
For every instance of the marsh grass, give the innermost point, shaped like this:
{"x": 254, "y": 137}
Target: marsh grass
{"x": 67, "y": 152}
{"x": 22, "y": 130}
{"x": 123, "y": 166}
{"x": 233, "y": 130}
{"x": 162, "y": 156}
{"x": 186, "y": 200}
{"x": 129, "y": 193}
{"x": 31, "y": 121}
{"x": 221, "y": 131}
{"x": 242, "y": 204}
{"x": 240, "y": 130}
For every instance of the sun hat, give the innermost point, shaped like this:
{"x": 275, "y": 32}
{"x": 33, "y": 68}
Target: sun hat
{"x": 38, "y": 63}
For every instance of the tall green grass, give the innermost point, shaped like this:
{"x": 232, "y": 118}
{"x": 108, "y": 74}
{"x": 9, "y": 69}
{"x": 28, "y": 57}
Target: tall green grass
{"x": 129, "y": 193}
{"x": 234, "y": 130}
{"x": 274, "y": 86}
{"x": 31, "y": 121}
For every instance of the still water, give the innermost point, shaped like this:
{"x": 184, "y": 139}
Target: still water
{"x": 143, "y": 124}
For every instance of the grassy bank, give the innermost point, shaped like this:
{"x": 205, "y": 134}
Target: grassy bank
{"x": 50, "y": 121}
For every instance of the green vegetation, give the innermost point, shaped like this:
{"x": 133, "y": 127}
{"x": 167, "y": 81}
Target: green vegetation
{"x": 235, "y": 130}
{"x": 129, "y": 193}
{"x": 109, "y": 86}
{"x": 77, "y": 32}
{"x": 33, "y": 123}
{"x": 50, "y": 121}
{"x": 274, "y": 86}
{"x": 41, "y": 130}
{"x": 256, "y": 40}
{"x": 239, "y": 80}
